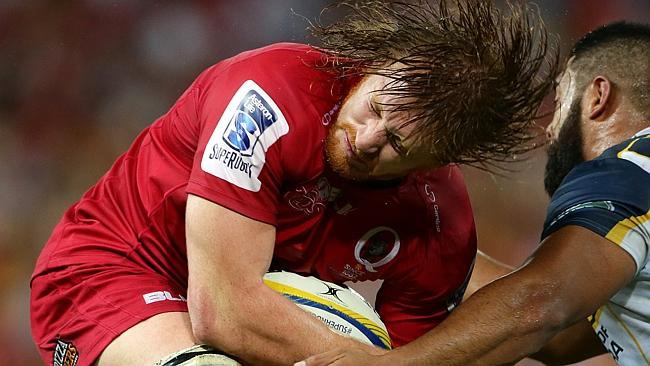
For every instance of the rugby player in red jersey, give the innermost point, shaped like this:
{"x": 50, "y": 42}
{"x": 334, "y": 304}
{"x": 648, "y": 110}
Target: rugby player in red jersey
{"x": 336, "y": 162}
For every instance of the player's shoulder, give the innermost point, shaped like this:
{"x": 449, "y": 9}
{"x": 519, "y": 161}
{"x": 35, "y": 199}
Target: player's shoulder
{"x": 635, "y": 150}
{"x": 275, "y": 58}
{"x": 448, "y": 177}
{"x": 620, "y": 174}
{"x": 443, "y": 184}
{"x": 280, "y": 49}
{"x": 287, "y": 73}
{"x": 267, "y": 95}
{"x": 638, "y": 144}
{"x": 445, "y": 195}
{"x": 292, "y": 73}
{"x": 602, "y": 193}
{"x": 445, "y": 173}
{"x": 621, "y": 163}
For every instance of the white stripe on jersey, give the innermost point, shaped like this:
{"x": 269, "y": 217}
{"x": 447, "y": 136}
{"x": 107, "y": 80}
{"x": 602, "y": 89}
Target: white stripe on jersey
{"x": 641, "y": 160}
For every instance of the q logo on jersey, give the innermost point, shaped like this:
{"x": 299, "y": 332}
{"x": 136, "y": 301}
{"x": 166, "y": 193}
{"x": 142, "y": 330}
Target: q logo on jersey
{"x": 377, "y": 247}
{"x": 250, "y": 124}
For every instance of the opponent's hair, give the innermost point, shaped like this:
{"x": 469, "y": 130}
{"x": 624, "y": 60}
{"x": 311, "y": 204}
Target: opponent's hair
{"x": 621, "y": 52}
{"x": 473, "y": 78}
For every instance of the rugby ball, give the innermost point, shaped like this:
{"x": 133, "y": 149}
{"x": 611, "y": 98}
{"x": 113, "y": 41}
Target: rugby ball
{"x": 339, "y": 307}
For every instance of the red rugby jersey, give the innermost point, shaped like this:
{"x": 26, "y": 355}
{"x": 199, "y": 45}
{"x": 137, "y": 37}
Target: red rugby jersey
{"x": 249, "y": 135}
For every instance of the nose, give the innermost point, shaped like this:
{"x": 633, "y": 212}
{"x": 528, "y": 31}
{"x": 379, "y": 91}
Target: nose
{"x": 550, "y": 131}
{"x": 370, "y": 138}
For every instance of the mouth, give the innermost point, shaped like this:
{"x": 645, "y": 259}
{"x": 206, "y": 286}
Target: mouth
{"x": 350, "y": 150}
{"x": 353, "y": 159}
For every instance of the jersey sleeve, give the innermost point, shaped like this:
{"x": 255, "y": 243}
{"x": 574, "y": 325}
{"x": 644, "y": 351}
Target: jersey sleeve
{"x": 238, "y": 162}
{"x": 611, "y": 197}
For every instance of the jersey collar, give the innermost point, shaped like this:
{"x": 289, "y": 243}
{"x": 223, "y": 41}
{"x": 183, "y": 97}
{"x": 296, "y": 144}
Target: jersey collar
{"x": 645, "y": 131}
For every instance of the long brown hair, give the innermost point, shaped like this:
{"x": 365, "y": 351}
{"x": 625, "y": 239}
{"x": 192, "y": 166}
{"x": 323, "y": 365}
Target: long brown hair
{"x": 473, "y": 78}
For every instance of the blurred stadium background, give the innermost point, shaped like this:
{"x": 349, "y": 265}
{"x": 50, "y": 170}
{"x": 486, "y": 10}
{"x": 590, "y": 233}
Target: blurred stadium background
{"x": 79, "y": 79}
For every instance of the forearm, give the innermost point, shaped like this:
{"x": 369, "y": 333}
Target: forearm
{"x": 509, "y": 320}
{"x": 230, "y": 306}
{"x": 572, "y": 345}
{"x": 269, "y": 329}
{"x": 516, "y": 315}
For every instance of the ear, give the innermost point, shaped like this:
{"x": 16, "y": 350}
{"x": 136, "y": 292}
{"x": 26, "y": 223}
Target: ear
{"x": 599, "y": 96}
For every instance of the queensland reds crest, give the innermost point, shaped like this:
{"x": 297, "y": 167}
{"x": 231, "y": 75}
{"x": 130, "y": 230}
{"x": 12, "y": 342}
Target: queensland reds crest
{"x": 377, "y": 247}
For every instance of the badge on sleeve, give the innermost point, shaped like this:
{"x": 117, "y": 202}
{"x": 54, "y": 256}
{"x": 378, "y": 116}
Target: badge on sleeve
{"x": 251, "y": 123}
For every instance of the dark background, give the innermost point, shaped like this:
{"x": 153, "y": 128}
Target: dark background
{"x": 79, "y": 79}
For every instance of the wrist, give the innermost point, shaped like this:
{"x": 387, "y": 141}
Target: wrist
{"x": 375, "y": 351}
{"x": 369, "y": 349}
{"x": 389, "y": 358}
{"x": 396, "y": 357}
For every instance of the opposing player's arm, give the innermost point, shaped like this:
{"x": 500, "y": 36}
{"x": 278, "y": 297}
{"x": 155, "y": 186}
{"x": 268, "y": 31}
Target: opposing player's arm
{"x": 570, "y": 276}
{"x": 230, "y": 306}
{"x": 574, "y": 344}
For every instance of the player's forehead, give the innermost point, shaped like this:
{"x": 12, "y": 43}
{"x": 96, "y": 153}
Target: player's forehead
{"x": 386, "y": 80}
{"x": 374, "y": 84}
{"x": 386, "y": 93}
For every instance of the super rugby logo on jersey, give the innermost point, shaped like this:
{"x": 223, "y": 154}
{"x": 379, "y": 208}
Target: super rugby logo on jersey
{"x": 252, "y": 118}
{"x": 250, "y": 124}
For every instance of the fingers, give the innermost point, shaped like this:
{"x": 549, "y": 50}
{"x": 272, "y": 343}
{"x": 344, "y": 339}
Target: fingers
{"x": 322, "y": 359}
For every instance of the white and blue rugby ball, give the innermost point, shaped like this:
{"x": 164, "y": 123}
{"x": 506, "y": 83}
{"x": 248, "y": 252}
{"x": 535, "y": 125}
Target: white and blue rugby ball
{"x": 341, "y": 308}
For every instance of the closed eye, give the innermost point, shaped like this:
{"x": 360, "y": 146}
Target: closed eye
{"x": 396, "y": 143}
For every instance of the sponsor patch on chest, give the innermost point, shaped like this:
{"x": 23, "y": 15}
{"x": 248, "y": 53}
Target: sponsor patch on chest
{"x": 250, "y": 124}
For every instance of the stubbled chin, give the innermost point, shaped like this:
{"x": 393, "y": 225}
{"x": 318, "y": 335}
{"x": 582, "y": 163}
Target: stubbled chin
{"x": 337, "y": 159}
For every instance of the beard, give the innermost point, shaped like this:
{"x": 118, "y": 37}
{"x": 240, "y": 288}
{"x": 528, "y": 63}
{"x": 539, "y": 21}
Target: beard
{"x": 335, "y": 155}
{"x": 566, "y": 152}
